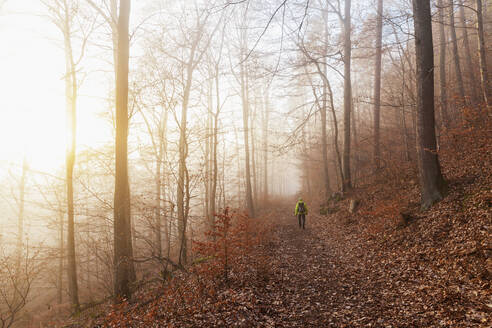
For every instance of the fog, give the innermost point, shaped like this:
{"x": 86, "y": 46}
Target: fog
{"x": 229, "y": 104}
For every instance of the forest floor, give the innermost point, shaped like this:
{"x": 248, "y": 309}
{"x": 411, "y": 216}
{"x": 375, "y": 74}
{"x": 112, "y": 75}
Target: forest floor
{"x": 387, "y": 265}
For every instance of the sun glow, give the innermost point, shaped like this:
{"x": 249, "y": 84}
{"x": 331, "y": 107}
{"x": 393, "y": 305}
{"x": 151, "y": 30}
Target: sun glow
{"x": 33, "y": 92}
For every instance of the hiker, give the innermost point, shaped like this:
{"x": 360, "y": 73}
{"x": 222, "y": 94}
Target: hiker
{"x": 301, "y": 211}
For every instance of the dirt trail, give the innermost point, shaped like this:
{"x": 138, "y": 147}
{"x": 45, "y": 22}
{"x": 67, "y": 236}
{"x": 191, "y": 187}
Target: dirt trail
{"x": 308, "y": 287}
{"x": 323, "y": 277}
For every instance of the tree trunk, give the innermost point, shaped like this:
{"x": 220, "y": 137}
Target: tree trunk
{"x": 253, "y": 150}
{"x": 59, "y": 291}
{"x": 245, "y": 101}
{"x": 347, "y": 97}
{"x": 431, "y": 180}
{"x": 265, "y": 144}
{"x": 324, "y": 136}
{"x": 442, "y": 66}
{"x": 468, "y": 56}
{"x": 157, "y": 209}
{"x": 20, "y": 219}
{"x": 71, "y": 103}
{"x": 123, "y": 250}
{"x": 377, "y": 84}
{"x": 208, "y": 145}
{"x": 487, "y": 91}
{"x": 456, "y": 56}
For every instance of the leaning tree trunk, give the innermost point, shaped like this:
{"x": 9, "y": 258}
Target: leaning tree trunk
{"x": 377, "y": 84}
{"x": 431, "y": 180}
{"x": 487, "y": 91}
{"x": 123, "y": 250}
{"x": 442, "y": 66}
{"x": 347, "y": 97}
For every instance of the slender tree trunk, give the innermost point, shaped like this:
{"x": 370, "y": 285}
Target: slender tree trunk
{"x": 215, "y": 143}
{"x": 347, "y": 97}
{"x": 183, "y": 154}
{"x": 487, "y": 91}
{"x": 335, "y": 132}
{"x": 355, "y": 149}
{"x": 431, "y": 180}
{"x": 253, "y": 151}
{"x": 71, "y": 103}
{"x": 59, "y": 292}
{"x": 468, "y": 56}
{"x": 442, "y": 66}
{"x": 157, "y": 209}
{"x": 377, "y": 84}
{"x": 20, "y": 219}
{"x": 323, "y": 107}
{"x": 456, "y": 56}
{"x": 265, "y": 144}
{"x": 123, "y": 249}
{"x": 245, "y": 101}
{"x": 208, "y": 145}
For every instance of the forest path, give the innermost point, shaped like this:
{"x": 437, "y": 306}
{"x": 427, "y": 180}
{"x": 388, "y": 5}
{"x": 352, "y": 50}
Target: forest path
{"x": 321, "y": 277}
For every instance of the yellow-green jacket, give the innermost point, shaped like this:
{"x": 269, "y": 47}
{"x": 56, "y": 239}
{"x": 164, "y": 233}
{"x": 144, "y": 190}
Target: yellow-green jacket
{"x": 297, "y": 208}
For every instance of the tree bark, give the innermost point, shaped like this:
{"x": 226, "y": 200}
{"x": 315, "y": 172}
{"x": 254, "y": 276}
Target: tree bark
{"x": 377, "y": 84}
{"x": 431, "y": 180}
{"x": 123, "y": 250}
{"x": 442, "y": 66}
{"x": 347, "y": 97}
{"x": 487, "y": 91}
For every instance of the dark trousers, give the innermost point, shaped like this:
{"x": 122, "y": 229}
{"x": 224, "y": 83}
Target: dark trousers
{"x": 302, "y": 220}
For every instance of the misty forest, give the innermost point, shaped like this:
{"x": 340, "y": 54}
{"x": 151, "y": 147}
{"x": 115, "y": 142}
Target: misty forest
{"x": 245, "y": 163}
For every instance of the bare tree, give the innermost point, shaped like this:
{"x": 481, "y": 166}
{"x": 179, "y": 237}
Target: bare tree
{"x": 123, "y": 250}
{"x": 442, "y": 65}
{"x": 431, "y": 180}
{"x": 377, "y": 83}
{"x": 64, "y": 14}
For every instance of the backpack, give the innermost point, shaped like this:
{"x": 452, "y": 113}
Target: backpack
{"x": 301, "y": 208}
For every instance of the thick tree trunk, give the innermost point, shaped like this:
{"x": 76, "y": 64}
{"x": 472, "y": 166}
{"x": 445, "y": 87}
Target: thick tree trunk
{"x": 456, "y": 56}
{"x": 123, "y": 250}
{"x": 377, "y": 84}
{"x": 431, "y": 180}
{"x": 347, "y": 97}
{"x": 487, "y": 91}
{"x": 442, "y": 66}
{"x": 468, "y": 56}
